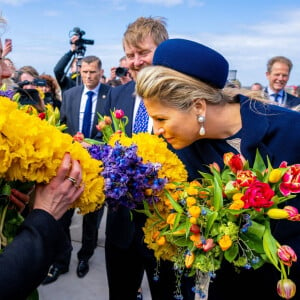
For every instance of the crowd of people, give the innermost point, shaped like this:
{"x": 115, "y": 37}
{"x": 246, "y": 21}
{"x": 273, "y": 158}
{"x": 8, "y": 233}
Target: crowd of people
{"x": 212, "y": 109}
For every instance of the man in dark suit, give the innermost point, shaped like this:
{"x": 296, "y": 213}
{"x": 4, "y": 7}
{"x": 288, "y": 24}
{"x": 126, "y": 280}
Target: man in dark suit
{"x": 126, "y": 254}
{"x": 278, "y": 74}
{"x": 73, "y": 115}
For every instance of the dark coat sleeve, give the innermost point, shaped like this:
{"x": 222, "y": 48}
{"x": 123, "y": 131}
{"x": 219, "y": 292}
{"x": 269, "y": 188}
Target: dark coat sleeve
{"x": 63, "y": 80}
{"x": 25, "y": 262}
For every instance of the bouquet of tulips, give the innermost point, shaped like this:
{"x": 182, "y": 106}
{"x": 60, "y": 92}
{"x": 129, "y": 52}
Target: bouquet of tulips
{"x": 226, "y": 216}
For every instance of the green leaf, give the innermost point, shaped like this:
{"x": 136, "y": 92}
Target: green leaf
{"x": 175, "y": 205}
{"x": 269, "y": 244}
{"x": 253, "y": 242}
{"x": 218, "y": 193}
{"x": 259, "y": 163}
{"x": 257, "y": 229}
{"x": 34, "y": 295}
{"x": 210, "y": 221}
{"x": 231, "y": 253}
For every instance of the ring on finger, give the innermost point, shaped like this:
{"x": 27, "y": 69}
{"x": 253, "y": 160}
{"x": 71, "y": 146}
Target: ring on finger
{"x": 73, "y": 180}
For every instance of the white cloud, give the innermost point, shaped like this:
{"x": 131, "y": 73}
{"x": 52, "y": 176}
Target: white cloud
{"x": 162, "y": 2}
{"x": 15, "y": 2}
{"x": 52, "y": 13}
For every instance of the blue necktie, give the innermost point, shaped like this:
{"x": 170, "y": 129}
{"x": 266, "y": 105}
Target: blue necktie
{"x": 141, "y": 119}
{"x": 87, "y": 118}
{"x": 276, "y": 97}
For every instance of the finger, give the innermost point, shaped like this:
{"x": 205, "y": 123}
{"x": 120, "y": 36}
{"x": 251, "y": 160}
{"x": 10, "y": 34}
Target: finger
{"x": 19, "y": 204}
{"x": 75, "y": 171}
{"x": 64, "y": 167}
{"x": 21, "y": 196}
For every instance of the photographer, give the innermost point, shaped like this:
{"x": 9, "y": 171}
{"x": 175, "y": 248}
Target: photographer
{"x": 28, "y": 82}
{"x": 51, "y": 90}
{"x": 66, "y": 82}
{"x": 121, "y": 72}
{"x": 76, "y": 52}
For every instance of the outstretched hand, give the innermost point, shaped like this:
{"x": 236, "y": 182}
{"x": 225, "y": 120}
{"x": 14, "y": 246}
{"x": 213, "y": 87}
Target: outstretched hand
{"x": 57, "y": 196}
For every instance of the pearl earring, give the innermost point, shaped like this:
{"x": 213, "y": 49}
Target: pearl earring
{"x": 201, "y": 120}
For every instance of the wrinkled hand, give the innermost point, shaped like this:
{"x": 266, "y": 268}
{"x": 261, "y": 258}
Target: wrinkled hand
{"x": 57, "y": 196}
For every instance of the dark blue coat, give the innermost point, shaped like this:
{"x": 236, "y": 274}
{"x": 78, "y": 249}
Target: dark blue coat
{"x": 275, "y": 131}
{"x": 24, "y": 264}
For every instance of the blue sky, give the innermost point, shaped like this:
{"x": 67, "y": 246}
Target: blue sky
{"x": 247, "y": 33}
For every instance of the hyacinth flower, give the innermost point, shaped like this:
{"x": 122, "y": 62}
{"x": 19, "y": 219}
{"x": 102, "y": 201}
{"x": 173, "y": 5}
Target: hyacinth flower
{"x": 128, "y": 181}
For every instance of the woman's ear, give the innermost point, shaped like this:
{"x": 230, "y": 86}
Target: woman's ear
{"x": 200, "y": 106}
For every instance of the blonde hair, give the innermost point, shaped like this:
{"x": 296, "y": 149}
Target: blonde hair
{"x": 178, "y": 90}
{"x": 175, "y": 89}
{"x": 143, "y": 27}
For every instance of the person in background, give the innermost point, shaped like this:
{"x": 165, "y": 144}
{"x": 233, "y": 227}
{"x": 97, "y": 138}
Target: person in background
{"x": 27, "y": 74}
{"x": 73, "y": 114}
{"x": 51, "y": 90}
{"x": 256, "y": 86}
{"x": 127, "y": 256}
{"x": 64, "y": 80}
{"x": 121, "y": 73}
{"x": 278, "y": 74}
{"x": 183, "y": 95}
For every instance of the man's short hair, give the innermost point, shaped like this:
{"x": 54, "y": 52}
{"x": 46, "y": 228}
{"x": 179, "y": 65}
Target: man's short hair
{"x": 142, "y": 28}
{"x": 90, "y": 59}
{"x": 280, "y": 59}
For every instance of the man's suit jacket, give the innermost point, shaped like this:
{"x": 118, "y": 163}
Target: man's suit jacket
{"x": 291, "y": 101}
{"x": 26, "y": 261}
{"x": 122, "y": 225}
{"x": 70, "y": 108}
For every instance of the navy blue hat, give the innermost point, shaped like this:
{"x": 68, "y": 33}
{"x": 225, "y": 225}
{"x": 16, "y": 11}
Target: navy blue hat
{"x": 193, "y": 59}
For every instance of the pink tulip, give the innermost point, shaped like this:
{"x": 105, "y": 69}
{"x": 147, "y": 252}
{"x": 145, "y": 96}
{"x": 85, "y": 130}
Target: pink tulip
{"x": 287, "y": 255}
{"x": 286, "y": 288}
{"x": 291, "y": 181}
{"x": 119, "y": 114}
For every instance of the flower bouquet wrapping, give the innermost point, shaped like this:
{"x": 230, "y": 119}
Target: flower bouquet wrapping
{"x": 226, "y": 216}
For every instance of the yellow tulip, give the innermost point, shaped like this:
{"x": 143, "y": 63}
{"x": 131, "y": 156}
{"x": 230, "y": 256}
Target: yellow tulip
{"x": 171, "y": 218}
{"x": 275, "y": 175}
{"x": 225, "y": 242}
{"x": 194, "y": 211}
{"x": 190, "y": 201}
{"x": 277, "y": 213}
{"x": 189, "y": 259}
{"x": 237, "y": 196}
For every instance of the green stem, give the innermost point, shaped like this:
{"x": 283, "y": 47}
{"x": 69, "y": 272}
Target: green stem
{"x": 3, "y": 239}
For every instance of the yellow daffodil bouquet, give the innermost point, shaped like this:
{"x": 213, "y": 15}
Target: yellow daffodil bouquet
{"x": 226, "y": 216}
{"x": 31, "y": 150}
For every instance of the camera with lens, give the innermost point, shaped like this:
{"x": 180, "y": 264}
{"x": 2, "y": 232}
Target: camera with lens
{"x": 80, "y": 48}
{"x": 36, "y": 82}
{"x": 121, "y": 72}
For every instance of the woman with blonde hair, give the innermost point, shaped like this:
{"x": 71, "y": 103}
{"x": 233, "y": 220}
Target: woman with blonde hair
{"x": 183, "y": 93}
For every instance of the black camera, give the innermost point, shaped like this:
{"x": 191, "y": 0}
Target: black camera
{"x": 121, "y": 72}
{"x": 80, "y": 48}
{"x": 36, "y": 82}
